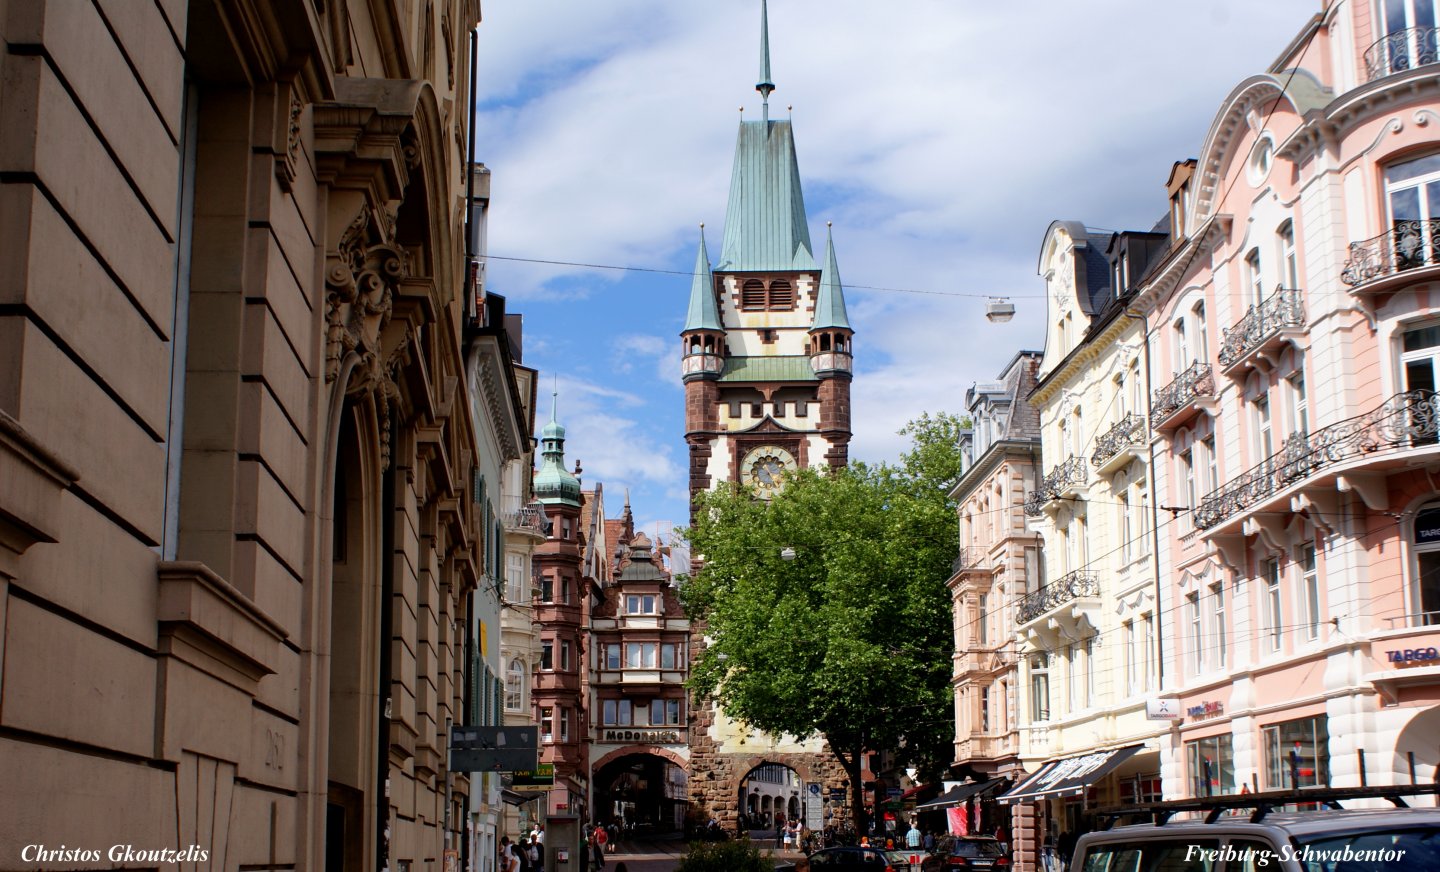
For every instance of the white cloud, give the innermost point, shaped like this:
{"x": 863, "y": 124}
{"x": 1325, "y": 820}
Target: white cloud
{"x": 940, "y": 137}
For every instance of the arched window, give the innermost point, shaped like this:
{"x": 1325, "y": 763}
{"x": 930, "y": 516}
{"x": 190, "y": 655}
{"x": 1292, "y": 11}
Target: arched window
{"x": 1202, "y": 334}
{"x": 752, "y": 295}
{"x": 782, "y": 295}
{"x": 1182, "y": 347}
{"x": 1425, "y": 595}
{"x": 515, "y": 686}
{"x": 1289, "y": 266}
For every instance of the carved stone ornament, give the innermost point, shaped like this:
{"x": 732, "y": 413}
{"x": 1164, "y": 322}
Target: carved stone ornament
{"x": 360, "y": 282}
{"x": 288, "y": 160}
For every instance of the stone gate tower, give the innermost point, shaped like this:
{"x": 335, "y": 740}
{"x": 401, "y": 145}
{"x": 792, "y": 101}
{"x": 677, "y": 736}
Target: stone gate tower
{"x": 767, "y": 370}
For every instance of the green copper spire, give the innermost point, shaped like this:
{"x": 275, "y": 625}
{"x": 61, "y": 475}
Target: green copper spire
{"x": 553, "y": 484}
{"x": 703, "y": 314}
{"x": 830, "y": 301}
{"x": 765, "y": 86}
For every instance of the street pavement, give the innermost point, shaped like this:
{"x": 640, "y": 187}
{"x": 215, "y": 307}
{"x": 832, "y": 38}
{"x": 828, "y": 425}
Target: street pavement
{"x": 663, "y": 855}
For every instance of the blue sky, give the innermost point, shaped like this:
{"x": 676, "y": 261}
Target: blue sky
{"x": 941, "y": 137}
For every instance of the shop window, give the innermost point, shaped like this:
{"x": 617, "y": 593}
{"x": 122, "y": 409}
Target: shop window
{"x": 1296, "y": 754}
{"x": 1425, "y": 589}
{"x": 1211, "y": 764}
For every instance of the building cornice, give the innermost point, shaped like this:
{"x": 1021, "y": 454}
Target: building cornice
{"x": 994, "y": 456}
{"x": 1079, "y": 360}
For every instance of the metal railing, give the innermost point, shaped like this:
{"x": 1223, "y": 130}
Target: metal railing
{"x": 1069, "y": 587}
{"x": 1128, "y": 432}
{"x": 1403, "y": 421}
{"x": 1407, "y": 245}
{"x": 1282, "y": 309}
{"x": 1402, "y": 50}
{"x": 968, "y": 558}
{"x": 1071, "y": 472}
{"x": 525, "y": 517}
{"x": 1196, "y": 381}
{"x": 1417, "y": 619}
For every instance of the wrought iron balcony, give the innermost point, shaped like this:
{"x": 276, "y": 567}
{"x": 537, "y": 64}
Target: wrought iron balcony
{"x": 528, "y": 518}
{"x": 1128, "y": 432}
{"x": 1282, "y": 310}
{"x": 1069, "y": 474}
{"x": 968, "y": 558}
{"x": 1407, "y": 245}
{"x": 1195, "y": 383}
{"x": 1400, "y": 51}
{"x": 1070, "y": 587}
{"x": 1404, "y": 421}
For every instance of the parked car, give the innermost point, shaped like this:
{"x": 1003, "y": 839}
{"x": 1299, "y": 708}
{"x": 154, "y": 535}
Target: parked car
{"x": 970, "y": 853}
{"x": 850, "y": 859}
{"x": 907, "y": 859}
{"x": 1325, "y": 840}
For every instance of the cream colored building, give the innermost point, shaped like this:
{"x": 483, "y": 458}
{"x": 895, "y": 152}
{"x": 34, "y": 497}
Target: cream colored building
{"x": 1086, "y": 636}
{"x": 236, "y": 443}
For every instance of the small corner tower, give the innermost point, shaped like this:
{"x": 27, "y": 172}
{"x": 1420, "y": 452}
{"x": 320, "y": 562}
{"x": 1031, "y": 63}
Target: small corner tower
{"x": 830, "y": 356}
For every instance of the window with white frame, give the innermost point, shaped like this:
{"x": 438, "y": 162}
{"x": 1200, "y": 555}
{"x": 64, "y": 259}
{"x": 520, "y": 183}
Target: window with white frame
{"x": 1211, "y": 481}
{"x": 664, "y": 712}
{"x": 1137, "y": 389}
{"x": 672, "y": 654}
{"x": 1260, "y": 416}
{"x": 1040, "y": 687}
{"x": 612, "y": 655}
{"x": 1193, "y": 633}
{"x": 640, "y": 604}
{"x": 1182, "y": 346}
{"x": 1254, "y": 279}
{"x": 1186, "y": 460}
{"x": 1072, "y": 678}
{"x": 1274, "y": 614}
{"x": 1089, "y": 671}
{"x": 1217, "y": 623}
{"x": 515, "y": 578}
{"x": 547, "y": 723}
{"x": 515, "y": 686}
{"x": 1299, "y": 402}
{"x": 1132, "y": 659}
{"x": 1410, "y": 32}
{"x": 640, "y": 655}
{"x": 985, "y": 710}
{"x": 982, "y": 620}
{"x": 547, "y": 654}
{"x": 1310, "y": 588}
{"x": 1420, "y": 356}
{"x": 1127, "y": 535}
{"x": 564, "y": 655}
{"x": 1289, "y": 266}
{"x": 1425, "y": 591}
{"x": 1077, "y": 436}
{"x": 564, "y": 724}
{"x": 1202, "y": 332}
{"x": 1412, "y": 191}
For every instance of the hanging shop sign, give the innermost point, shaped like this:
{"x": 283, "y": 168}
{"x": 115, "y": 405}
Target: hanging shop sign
{"x": 1164, "y": 709}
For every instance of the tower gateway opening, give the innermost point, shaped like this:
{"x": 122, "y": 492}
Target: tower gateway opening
{"x": 642, "y": 793}
{"x": 767, "y": 365}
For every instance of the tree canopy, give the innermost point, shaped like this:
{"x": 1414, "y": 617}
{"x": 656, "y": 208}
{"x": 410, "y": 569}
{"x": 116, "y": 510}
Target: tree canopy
{"x": 850, "y": 639}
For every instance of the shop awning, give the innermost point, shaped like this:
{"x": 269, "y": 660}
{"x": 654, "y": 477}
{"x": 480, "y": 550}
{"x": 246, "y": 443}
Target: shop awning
{"x": 959, "y": 793}
{"x": 516, "y": 797}
{"x": 1069, "y": 776}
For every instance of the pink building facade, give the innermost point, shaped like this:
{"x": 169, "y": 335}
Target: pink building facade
{"x": 1294, "y": 341}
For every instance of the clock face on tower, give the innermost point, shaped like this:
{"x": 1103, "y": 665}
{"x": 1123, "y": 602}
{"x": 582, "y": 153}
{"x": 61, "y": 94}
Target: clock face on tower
{"x": 763, "y": 468}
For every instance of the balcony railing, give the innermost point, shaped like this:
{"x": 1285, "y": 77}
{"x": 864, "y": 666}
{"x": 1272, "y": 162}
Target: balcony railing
{"x": 1403, "y": 421}
{"x": 1400, "y": 51}
{"x": 1070, "y": 587}
{"x": 1407, "y": 245}
{"x": 1071, "y": 472}
{"x": 526, "y": 517}
{"x": 1282, "y": 309}
{"x": 968, "y": 558}
{"x": 1195, "y": 382}
{"x": 1128, "y": 432}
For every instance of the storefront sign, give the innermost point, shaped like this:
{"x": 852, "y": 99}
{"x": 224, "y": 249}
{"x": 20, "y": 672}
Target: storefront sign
{"x": 1162, "y": 709}
{"x": 541, "y": 776}
{"x": 1413, "y": 656}
{"x": 640, "y": 734}
{"x": 1201, "y": 711}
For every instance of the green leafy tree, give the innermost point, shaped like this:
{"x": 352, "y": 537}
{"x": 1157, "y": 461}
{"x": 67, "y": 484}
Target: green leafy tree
{"x": 851, "y": 639}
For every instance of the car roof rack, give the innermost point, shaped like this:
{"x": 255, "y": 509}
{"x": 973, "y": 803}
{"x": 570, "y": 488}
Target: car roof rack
{"x": 1262, "y": 803}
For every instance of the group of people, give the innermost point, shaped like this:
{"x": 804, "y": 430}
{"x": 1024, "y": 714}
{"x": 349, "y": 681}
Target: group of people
{"x": 526, "y": 854}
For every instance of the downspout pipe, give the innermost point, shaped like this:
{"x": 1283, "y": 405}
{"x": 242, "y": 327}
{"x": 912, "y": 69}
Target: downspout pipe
{"x": 471, "y": 304}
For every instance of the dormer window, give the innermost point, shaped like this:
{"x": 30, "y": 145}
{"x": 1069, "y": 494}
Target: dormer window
{"x": 1178, "y": 187}
{"x": 759, "y": 295}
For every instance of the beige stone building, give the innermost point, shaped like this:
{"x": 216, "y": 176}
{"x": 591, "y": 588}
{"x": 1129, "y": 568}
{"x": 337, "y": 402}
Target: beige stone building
{"x": 241, "y": 549}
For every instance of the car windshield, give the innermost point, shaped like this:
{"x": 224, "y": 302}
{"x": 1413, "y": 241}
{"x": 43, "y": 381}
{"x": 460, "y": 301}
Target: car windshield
{"x": 977, "y": 849}
{"x": 1410, "y": 848}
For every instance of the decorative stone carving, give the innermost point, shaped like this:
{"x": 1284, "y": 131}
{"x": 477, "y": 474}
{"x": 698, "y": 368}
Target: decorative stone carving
{"x": 288, "y": 159}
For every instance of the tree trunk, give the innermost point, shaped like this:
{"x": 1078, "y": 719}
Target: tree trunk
{"x": 853, "y": 765}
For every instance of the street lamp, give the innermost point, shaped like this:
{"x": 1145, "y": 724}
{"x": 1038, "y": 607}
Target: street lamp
{"x": 787, "y": 553}
{"x": 998, "y": 310}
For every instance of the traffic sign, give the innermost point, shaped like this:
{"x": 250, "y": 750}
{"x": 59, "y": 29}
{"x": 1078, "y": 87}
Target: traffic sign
{"x": 814, "y": 790}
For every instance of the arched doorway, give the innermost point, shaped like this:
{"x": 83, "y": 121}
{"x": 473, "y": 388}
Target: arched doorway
{"x": 1419, "y": 741}
{"x": 772, "y": 794}
{"x": 642, "y": 793}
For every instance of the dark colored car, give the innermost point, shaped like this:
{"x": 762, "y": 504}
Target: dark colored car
{"x": 846, "y": 859}
{"x": 969, "y": 853}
